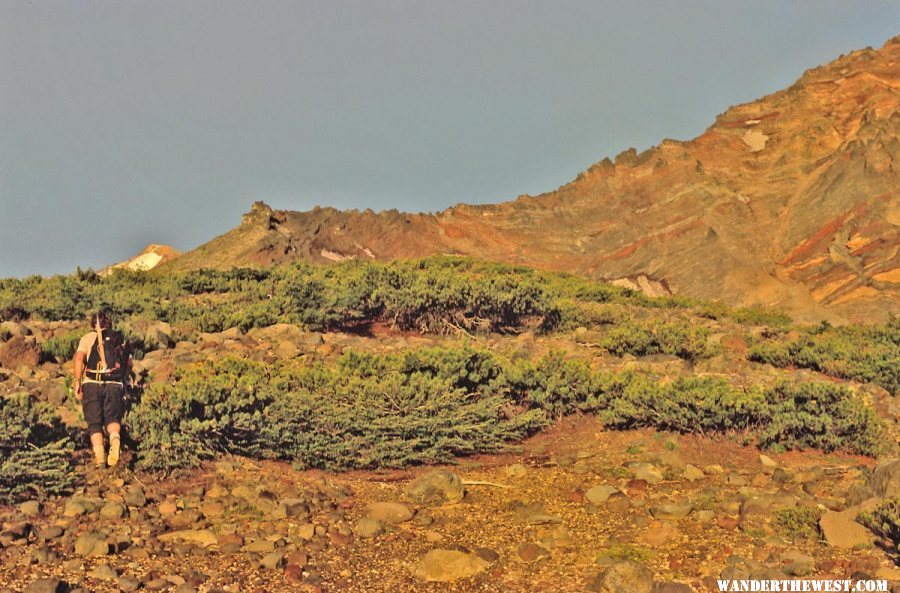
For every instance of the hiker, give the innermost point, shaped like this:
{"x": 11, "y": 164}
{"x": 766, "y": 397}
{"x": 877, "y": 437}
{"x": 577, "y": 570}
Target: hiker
{"x": 102, "y": 365}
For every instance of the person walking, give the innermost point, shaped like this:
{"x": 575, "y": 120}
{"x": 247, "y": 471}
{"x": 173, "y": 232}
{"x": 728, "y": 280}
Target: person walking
{"x": 102, "y": 365}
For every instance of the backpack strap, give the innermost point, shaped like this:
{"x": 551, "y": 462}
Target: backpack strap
{"x": 101, "y": 347}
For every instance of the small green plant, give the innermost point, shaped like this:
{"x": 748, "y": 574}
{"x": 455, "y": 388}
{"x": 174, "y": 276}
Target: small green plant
{"x": 800, "y": 522}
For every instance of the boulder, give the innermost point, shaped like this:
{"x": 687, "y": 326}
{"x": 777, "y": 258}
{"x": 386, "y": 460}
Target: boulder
{"x": 623, "y": 576}
{"x": 841, "y": 530}
{"x": 201, "y": 537}
{"x": 647, "y": 472}
{"x": 450, "y": 565}
{"x": 600, "y": 494}
{"x": 13, "y": 329}
{"x": 30, "y": 508}
{"x": 91, "y": 545}
{"x": 368, "y": 527}
{"x": 692, "y": 473}
{"x": 20, "y": 351}
{"x": 435, "y": 488}
{"x": 389, "y": 512}
{"x": 885, "y": 480}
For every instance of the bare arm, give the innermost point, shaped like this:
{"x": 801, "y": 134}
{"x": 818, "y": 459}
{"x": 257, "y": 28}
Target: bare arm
{"x": 79, "y": 373}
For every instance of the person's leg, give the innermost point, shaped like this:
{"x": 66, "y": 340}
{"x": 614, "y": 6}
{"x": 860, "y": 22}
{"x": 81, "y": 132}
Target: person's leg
{"x": 92, "y": 407}
{"x": 113, "y": 408}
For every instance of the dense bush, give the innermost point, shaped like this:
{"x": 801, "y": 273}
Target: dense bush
{"x": 62, "y": 347}
{"x": 430, "y": 295}
{"x": 683, "y": 340}
{"x": 430, "y": 405}
{"x": 370, "y": 411}
{"x": 865, "y": 353}
{"x": 801, "y": 415}
{"x": 820, "y": 415}
{"x": 35, "y": 452}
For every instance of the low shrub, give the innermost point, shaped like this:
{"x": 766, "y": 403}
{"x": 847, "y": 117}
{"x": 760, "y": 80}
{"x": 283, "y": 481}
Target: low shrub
{"x": 35, "y": 449}
{"x": 800, "y": 522}
{"x": 884, "y": 521}
{"x": 822, "y": 416}
{"x": 865, "y": 353}
{"x": 430, "y": 405}
{"x": 61, "y": 348}
{"x": 684, "y": 340}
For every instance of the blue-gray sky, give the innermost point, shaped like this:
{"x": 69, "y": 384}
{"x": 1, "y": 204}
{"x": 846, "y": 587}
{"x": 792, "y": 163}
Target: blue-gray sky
{"x": 126, "y": 123}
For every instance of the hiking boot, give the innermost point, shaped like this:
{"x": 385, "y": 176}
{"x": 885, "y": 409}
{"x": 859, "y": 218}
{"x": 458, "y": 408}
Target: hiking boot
{"x": 99, "y": 456}
{"x": 114, "y": 444}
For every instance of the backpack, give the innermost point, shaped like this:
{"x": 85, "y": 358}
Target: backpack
{"x": 116, "y": 351}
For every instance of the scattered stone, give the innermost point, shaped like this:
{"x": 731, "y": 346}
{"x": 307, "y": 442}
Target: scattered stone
{"x": 646, "y": 472}
{"x": 298, "y": 558}
{"x": 692, "y": 473}
{"x": 672, "y": 510}
{"x": 75, "y": 508}
{"x": 797, "y": 564}
{"x": 135, "y": 497}
{"x": 487, "y": 554}
{"x": 389, "y": 512}
{"x": 201, "y": 537}
{"x": 623, "y": 576}
{"x": 128, "y": 584}
{"x": 532, "y": 552}
{"x": 659, "y": 533}
{"x": 307, "y": 531}
{"x": 20, "y": 351}
{"x": 516, "y": 471}
{"x": 704, "y": 516}
{"x": 767, "y": 461}
{"x": 91, "y": 545}
{"x": 167, "y": 507}
{"x": 600, "y": 494}
{"x": 293, "y": 574}
{"x": 49, "y": 532}
{"x": 450, "y": 565}
{"x": 212, "y": 509}
{"x": 841, "y": 530}
{"x": 435, "y": 488}
{"x": 112, "y": 510}
{"x": 618, "y": 502}
{"x": 104, "y": 572}
{"x": 45, "y": 585}
{"x": 230, "y": 543}
{"x": 272, "y": 560}
{"x": 184, "y": 519}
{"x": 259, "y": 547}
{"x": 30, "y": 508}
{"x": 368, "y": 527}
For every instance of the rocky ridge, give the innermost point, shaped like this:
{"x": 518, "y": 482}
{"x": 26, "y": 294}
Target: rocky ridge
{"x": 790, "y": 200}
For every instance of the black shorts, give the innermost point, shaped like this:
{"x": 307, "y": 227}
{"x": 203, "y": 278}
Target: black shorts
{"x": 102, "y": 403}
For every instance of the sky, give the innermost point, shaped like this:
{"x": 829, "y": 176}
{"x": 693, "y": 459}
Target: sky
{"x": 136, "y": 122}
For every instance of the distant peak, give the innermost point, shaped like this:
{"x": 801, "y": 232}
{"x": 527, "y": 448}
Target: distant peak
{"x": 259, "y": 212}
{"x": 152, "y": 256}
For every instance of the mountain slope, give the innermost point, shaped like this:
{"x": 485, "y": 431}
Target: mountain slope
{"x": 790, "y": 200}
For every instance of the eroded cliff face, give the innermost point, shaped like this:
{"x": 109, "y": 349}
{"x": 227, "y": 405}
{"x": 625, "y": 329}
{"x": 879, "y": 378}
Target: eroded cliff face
{"x": 791, "y": 200}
